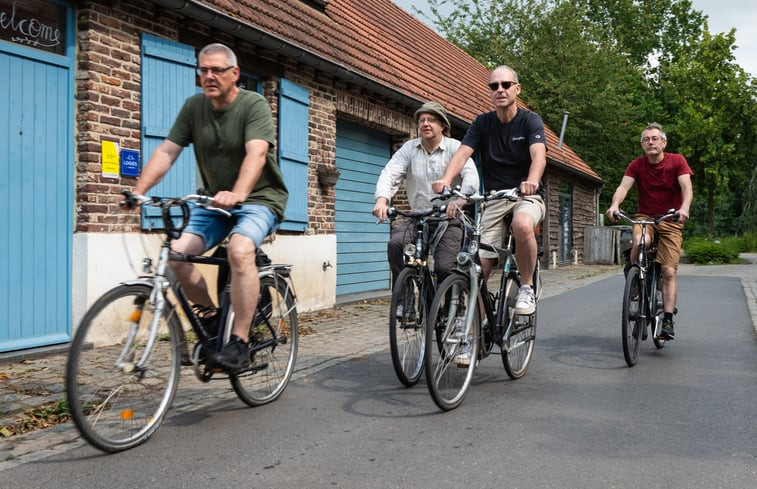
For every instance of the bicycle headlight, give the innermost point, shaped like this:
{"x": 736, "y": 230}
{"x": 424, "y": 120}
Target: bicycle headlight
{"x": 463, "y": 259}
{"x": 473, "y": 247}
{"x": 409, "y": 249}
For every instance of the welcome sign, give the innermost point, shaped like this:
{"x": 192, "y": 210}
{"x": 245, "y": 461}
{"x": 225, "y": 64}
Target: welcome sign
{"x": 39, "y": 24}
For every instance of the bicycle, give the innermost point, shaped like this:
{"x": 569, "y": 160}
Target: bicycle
{"x": 642, "y": 294}
{"x": 125, "y": 358}
{"x": 412, "y": 293}
{"x": 459, "y": 303}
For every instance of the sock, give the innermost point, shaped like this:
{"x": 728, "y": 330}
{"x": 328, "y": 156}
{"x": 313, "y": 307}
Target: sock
{"x": 668, "y": 316}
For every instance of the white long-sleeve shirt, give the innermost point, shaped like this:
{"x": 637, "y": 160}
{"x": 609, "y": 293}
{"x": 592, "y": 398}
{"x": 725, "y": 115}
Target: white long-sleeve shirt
{"x": 414, "y": 165}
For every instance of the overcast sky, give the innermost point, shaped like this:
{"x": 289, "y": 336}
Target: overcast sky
{"x": 722, "y": 16}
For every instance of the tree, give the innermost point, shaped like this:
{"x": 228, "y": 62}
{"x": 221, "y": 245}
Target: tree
{"x": 711, "y": 104}
{"x": 616, "y": 65}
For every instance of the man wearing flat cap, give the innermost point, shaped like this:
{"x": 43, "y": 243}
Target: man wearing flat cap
{"x": 419, "y": 162}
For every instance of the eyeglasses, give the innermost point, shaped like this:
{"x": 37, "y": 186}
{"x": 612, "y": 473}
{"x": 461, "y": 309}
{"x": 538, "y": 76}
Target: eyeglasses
{"x": 505, "y": 84}
{"x": 214, "y": 71}
{"x": 652, "y": 139}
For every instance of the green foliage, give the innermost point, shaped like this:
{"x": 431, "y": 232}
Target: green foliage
{"x": 615, "y": 66}
{"x": 745, "y": 243}
{"x": 705, "y": 251}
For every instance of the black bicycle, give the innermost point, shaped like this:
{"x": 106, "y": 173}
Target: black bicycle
{"x": 642, "y": 295}
{"x": 125, "y": 359}
{"x": 413, "y": 292}
{"x": 460, "y": 336}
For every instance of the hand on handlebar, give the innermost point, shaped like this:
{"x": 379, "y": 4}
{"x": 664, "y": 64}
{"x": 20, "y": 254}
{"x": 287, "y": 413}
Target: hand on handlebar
{"x": 226, "y": 199}
{"x": 438, "y": 186}
{"x": 528, "y": 188}
{"x": 612, "y": 214}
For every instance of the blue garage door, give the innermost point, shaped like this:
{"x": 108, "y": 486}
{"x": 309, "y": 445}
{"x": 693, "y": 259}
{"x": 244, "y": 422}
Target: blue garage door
{"x": 36, "y": 188}
{"x": 362, "y": 267}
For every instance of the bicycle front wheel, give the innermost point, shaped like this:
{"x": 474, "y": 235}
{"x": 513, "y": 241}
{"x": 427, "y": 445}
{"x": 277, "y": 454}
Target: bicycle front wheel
{"x": 406, "y": 334}
{"x": 633, "y": 324}
{"x": 518, "y": 343}
{"x": 451, "y": 358}
{"x": 274, "y": 326}
{"x": 117, "y": 397}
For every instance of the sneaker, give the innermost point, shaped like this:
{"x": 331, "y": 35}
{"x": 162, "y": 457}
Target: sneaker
{"x": 667, "y": 332}
{"x": 525, "y": 302}
{"x": 466, "y": 352}
{"x": 235, "y": 354}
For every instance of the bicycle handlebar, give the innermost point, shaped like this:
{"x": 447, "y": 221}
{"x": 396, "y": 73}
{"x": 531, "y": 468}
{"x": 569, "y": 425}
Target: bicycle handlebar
{"x": 131, "y": 200}
{"x": 671, "y": 215}
{"x": 437, "y": 210}
{"x": 512, "y": 195}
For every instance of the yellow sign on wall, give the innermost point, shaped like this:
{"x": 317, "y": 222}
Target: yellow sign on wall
{"x": 109, "y": 159}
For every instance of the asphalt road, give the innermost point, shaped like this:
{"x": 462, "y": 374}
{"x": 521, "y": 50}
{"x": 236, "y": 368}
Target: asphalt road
{"x": 683, "y": 417}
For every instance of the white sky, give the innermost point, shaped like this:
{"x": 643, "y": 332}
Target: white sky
{"x": 722, "y": 16}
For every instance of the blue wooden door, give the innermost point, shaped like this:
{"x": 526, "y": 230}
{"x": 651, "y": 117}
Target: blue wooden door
{"x": 168, "y": 79}
{"x": 36, "y": 192}
{"x": 362, "y": 266}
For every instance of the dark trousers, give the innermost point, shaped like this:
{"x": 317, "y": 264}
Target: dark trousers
{"x": 446, "y": 250}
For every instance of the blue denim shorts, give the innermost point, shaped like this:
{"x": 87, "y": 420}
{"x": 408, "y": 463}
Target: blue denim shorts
{"x": 251, "y": 220}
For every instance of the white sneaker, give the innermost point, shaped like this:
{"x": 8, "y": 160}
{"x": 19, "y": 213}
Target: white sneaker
{"x": 525, "y": 302}
{"x": 466, "y": 352}
{"x": 462, "y": 359}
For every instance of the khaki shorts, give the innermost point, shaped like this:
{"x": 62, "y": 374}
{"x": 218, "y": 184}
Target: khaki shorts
{"x": 669, "y": 241}
{"x": 493, "y": 222}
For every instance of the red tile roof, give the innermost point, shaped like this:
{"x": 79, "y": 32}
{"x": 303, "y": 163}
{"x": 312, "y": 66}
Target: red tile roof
{"x": 380, "y": 41}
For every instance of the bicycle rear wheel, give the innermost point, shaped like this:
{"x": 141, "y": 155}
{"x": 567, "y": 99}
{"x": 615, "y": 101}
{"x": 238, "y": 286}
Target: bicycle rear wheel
{"x": 447, "y": 381}
{"x": 274, "y": 325}
{"x": 518, "y": 345}
{"x": 633, "y": 323}
{"x": 115, "y": 403}
{"x": 406, "y": 333}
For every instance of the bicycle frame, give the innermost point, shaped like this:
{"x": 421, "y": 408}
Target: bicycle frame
{"x": 163, "y": 278}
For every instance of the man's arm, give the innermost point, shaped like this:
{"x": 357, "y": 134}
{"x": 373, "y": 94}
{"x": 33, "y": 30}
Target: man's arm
{"x": 249, "y": 173}
{"x": 619, "y": 196}
{"x": 688, "y": 196}
{"x": 538, "y": 153}
{"x": 453, "y": 168}
{"x": 157, "y": 166}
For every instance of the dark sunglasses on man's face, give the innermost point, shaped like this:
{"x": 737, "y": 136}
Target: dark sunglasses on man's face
{"x": 506, "y": 85}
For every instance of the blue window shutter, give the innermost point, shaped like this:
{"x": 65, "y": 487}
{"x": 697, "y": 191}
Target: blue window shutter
{"x": 168, "y": 79}
{"x": 294, "y": 103}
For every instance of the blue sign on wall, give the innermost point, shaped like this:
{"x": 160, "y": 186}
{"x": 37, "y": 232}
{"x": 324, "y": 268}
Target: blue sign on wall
{"x": 129, "y": 163}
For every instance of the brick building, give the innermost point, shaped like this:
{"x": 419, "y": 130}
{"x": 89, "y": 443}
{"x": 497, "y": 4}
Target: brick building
{"x": 88, "y": 84}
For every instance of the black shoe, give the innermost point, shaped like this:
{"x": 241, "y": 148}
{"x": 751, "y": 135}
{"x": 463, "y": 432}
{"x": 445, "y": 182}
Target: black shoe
{"x": 235, "y": 355}
{"x": 667, "y": 332}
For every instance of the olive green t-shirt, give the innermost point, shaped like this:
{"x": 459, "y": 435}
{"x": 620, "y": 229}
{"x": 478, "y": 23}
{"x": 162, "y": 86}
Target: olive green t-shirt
{"x": 219, "y": 137}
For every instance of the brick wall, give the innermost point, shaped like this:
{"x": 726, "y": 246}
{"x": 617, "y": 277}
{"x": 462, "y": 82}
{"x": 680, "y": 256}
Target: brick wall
{"x": 108, "y": 106}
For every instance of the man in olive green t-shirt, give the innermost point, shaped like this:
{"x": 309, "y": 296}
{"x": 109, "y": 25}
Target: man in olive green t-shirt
{"x": 233, "y": 135}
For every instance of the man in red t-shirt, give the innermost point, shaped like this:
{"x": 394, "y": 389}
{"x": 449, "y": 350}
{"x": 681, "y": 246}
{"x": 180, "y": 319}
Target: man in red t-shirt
{"x": 663, "y": 183}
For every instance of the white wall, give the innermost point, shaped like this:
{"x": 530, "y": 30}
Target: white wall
{"x": 103, "y": 260}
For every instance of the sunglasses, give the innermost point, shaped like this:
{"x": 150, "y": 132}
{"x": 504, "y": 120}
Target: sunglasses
{"x": 506, "y": 85}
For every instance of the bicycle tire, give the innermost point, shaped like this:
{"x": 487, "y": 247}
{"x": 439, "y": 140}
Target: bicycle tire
{"x": 448, "y": 383}
{"x": 659, "y": 341}
{"x": 518, "y": 346}
{"x": 119, "y": 407}
{"x": 406, "y": 333}
{"x": 275, "y": 322}
{"x": 633, "y": 323}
